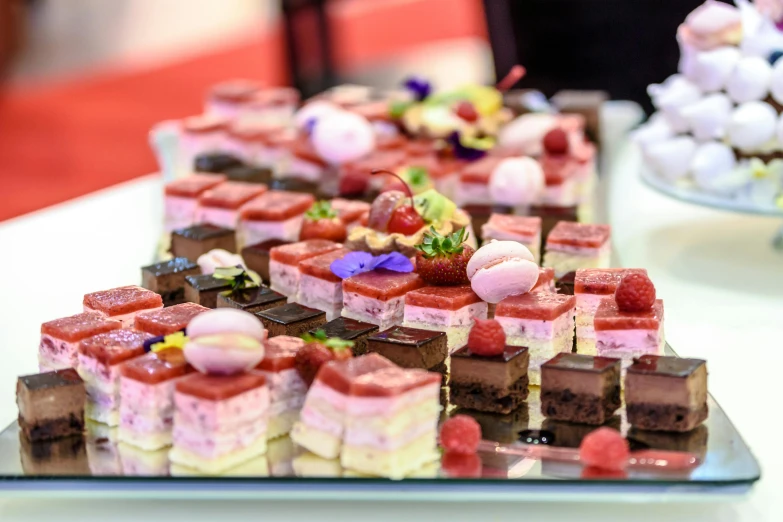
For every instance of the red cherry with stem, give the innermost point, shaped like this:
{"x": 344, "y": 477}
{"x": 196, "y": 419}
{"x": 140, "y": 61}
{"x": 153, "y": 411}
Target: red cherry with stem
{"x": 514, "y": 75}
{"x": 467, "y": 111}
{"x": 405, "y": 220}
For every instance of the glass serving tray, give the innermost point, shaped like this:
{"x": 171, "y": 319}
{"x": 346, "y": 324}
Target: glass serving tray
{"x": 96, "y": 466}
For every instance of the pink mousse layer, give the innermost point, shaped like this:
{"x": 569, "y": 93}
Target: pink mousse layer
{"x": 208, "y": 415}
{"x": 214, "y": 444}
{"x": 386, "y": 406}
{"x": 536, "y": 328}
{"x": 384, "y": 442}
{"x": 284, "y": 384}
{"x": 146, "y": 408}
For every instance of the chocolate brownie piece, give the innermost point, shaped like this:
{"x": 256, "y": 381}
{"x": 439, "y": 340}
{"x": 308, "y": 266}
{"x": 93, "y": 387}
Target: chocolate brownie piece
{"x": 65, "y": 456}
{"x": 352, "y": 330}
{"x": 475, "y": 396}
{"x": 196, "y": 240}
{"x": 580, "y": 388}
{"x": 292, "y": 319}
{"x": 256, "y": 256}
{"x": 204, "y": 289}
{"x": 410, "y": 347}
{"x": 167, "y": 278}
{"x": 666, "y": 393}
{"x": 496, "y": 384}
{"x": 251, "y": 300}
{"x": 51, "y": 404}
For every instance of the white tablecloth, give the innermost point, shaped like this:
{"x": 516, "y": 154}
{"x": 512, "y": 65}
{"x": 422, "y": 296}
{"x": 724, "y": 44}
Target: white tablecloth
{"x": 722, "y": 285}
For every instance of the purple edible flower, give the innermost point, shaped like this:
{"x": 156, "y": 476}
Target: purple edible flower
{"x": 310, "y": 125}
{"x": 462, "y": 151}
{"x": 357, "y": 262}
{"x": 420, "y": 87}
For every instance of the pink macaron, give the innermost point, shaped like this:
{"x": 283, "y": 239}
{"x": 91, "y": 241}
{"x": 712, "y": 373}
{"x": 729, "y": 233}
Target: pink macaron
{"x": 501, "y": 269}
{"x": 225, "y": 341}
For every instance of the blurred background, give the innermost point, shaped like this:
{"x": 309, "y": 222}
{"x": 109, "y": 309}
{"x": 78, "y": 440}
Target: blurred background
{"x": 83, "y": 80}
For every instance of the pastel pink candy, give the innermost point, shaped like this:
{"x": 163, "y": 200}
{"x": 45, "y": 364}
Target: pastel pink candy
{"x": 501, "y": 269}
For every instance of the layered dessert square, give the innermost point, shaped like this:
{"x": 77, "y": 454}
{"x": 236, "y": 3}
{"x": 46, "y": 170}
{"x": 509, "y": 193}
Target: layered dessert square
{"x": 100, "y": 358}
{"x": 580, "y": 388}
{"x": 251, "y": 300}
{"x": 204, "y": 289}
{"x": 274, "y": 215}
{"x": 321, "y": 425}
{"x": 194, "y": 241}
{"x": 168, "y": 320}
{"x": 284, "y": 263}
{"x": 497, "y": 384}
{"x": 287, "y": 390}
{"x": 136, "y": 462}
{"x": 666, "y": 393}
{"x": 181, "y": 198}
{"x": 220, "y": 205}
{"x": 291, "y": 319}
{"x": 358, "y": 332}
{"x": 378, "y": 297}
{"x": 51, "y": 404}
{"x": 220, "y": 421}
{"x": 256, "y": 256}
{"x": 147, "y": 398}
{"x": 412, "y": 348}
{"x": 318, "y": 286}
{"x": 473, "y": 185}
{"x": 591, "y": 286}
{"x": 571, "y": 246}
{"x": 123, "y": 303}
{"x": 59, "y": 346}
{"x": 391, "y": 422}
{"x": 523, "y": 229}
{"x": 626, "y": 335}
{"x": 167, "y": 278}
{"x": 542, "y": 321}
{"x": 449, "y": 309}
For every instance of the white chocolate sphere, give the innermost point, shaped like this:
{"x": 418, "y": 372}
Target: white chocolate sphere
{"x": 752, "y": 125}
{"x": 671, "y": 159}
{"x": 712, "y": 69}
{"x": 750, "y": 80}
{"x": 340, "y": 137}
{"x": 516, "y": 182}
{"x": 708, "y": 117}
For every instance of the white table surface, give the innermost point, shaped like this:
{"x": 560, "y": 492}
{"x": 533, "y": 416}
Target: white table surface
{"x": 722, "y": 285}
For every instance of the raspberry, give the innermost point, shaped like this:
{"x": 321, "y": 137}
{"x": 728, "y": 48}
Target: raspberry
{"x": 487, "y": 338}
{"x": 556, "y": 142}
{"x": 591, "y": 472}
{"x": 309, "y": 360}
{"x": 635, "y": 293}
{"x": 460, "y": 434}
{"x": 458, "y": 465}
{"x": 466, "y": 111}
{"x": 604, "y": 448}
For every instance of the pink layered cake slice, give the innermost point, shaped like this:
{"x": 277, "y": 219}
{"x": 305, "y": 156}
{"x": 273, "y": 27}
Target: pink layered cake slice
{"x": 274, "y": 215}
{"x": 571, "y": 246}
{"x": 147, "y": 398}
{"x": 546, "y": 280}
{"x": 220, "y": 421}
{"x": 122, "y": 304}
{"x": 541, "y": 321}
{"x": 200, "y": 135}
{"x": 250, "y": 142}
{"x": 391, "y": 422}
{"x": 220, "y": 205}
{"x": 473, "y": 185}
{"x": 321, "y": 424}
{"x": 349, "y": 211}
{"x": 168, "y": 320}
{"x": 100, "y": 358}
{"x": 591, "y": 286}
{"x": 562, "y": 187}
{"x": 287, "y": 390}
{"x": 626, "y": 335}
{"x": 378, "y": 297}
{"x": 449, "y": 309}
{"x": 522, "y": 229}
{"x": 181, "y": 198}
{"x": 319, "y": 287}
{"x": 59, "y": 347}
{"x": 284, "y": 263}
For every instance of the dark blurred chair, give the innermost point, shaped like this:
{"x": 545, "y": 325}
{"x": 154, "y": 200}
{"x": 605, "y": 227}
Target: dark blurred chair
{"x": 308, "y": 44}
{"x": 619, "y": 46}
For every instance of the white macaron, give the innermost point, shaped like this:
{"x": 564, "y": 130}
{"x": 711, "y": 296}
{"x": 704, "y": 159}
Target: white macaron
{"x": 501, "y": 269}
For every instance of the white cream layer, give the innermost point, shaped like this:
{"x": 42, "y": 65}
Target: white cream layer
{"x": 321, "y": 295}
{"x": 222, "y": 217}
{"x": 565, "y": 259}
{"x": 283, "y": 278}
{"x": 384, "y": 314}
{"x": 180, "y": 212}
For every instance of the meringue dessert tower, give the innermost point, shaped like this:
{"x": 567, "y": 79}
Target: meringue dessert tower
{"x": 718, "y": 128}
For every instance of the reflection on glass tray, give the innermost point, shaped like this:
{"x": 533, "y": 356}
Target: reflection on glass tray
{"x": 97, "y": 464}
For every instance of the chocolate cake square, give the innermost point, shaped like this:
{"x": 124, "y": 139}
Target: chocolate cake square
{"x": 256, "y": 256}
{"x": 665, "y": 393}
{"x": 500, "y": 427}
{"x": 192, "y": 242}
{"x": 51, "y": 405}
{"x": 580, "y": 388}
{"x": 292, "y": 319}
{"x": 348, "y": 329}
{"x": 65, "y": 456}
{"x": 497, "y": 384}
{"x": 204, "y": 289}
{"x": 216, "y": 162}
{"x": 411, "y": 347}
{"x": 251, "y": 300}
{"x": 294, "y": 184}
{"x": 167, "y": 278}
{"x": 249, "y": 174}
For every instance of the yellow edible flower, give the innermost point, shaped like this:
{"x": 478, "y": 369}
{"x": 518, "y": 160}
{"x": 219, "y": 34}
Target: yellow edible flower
{"x": 175, "y": 340}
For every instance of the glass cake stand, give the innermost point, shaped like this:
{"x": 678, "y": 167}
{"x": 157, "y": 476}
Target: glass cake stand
{"x": 708, "y": 200}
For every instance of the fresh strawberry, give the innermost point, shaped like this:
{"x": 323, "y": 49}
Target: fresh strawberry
{"x": 635, "y": 293}
{"x": 443, "y": 260}
{"x": 486, "y": 338}
{"x": 318, "y": 351}
{"x": 321, "y": 222}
